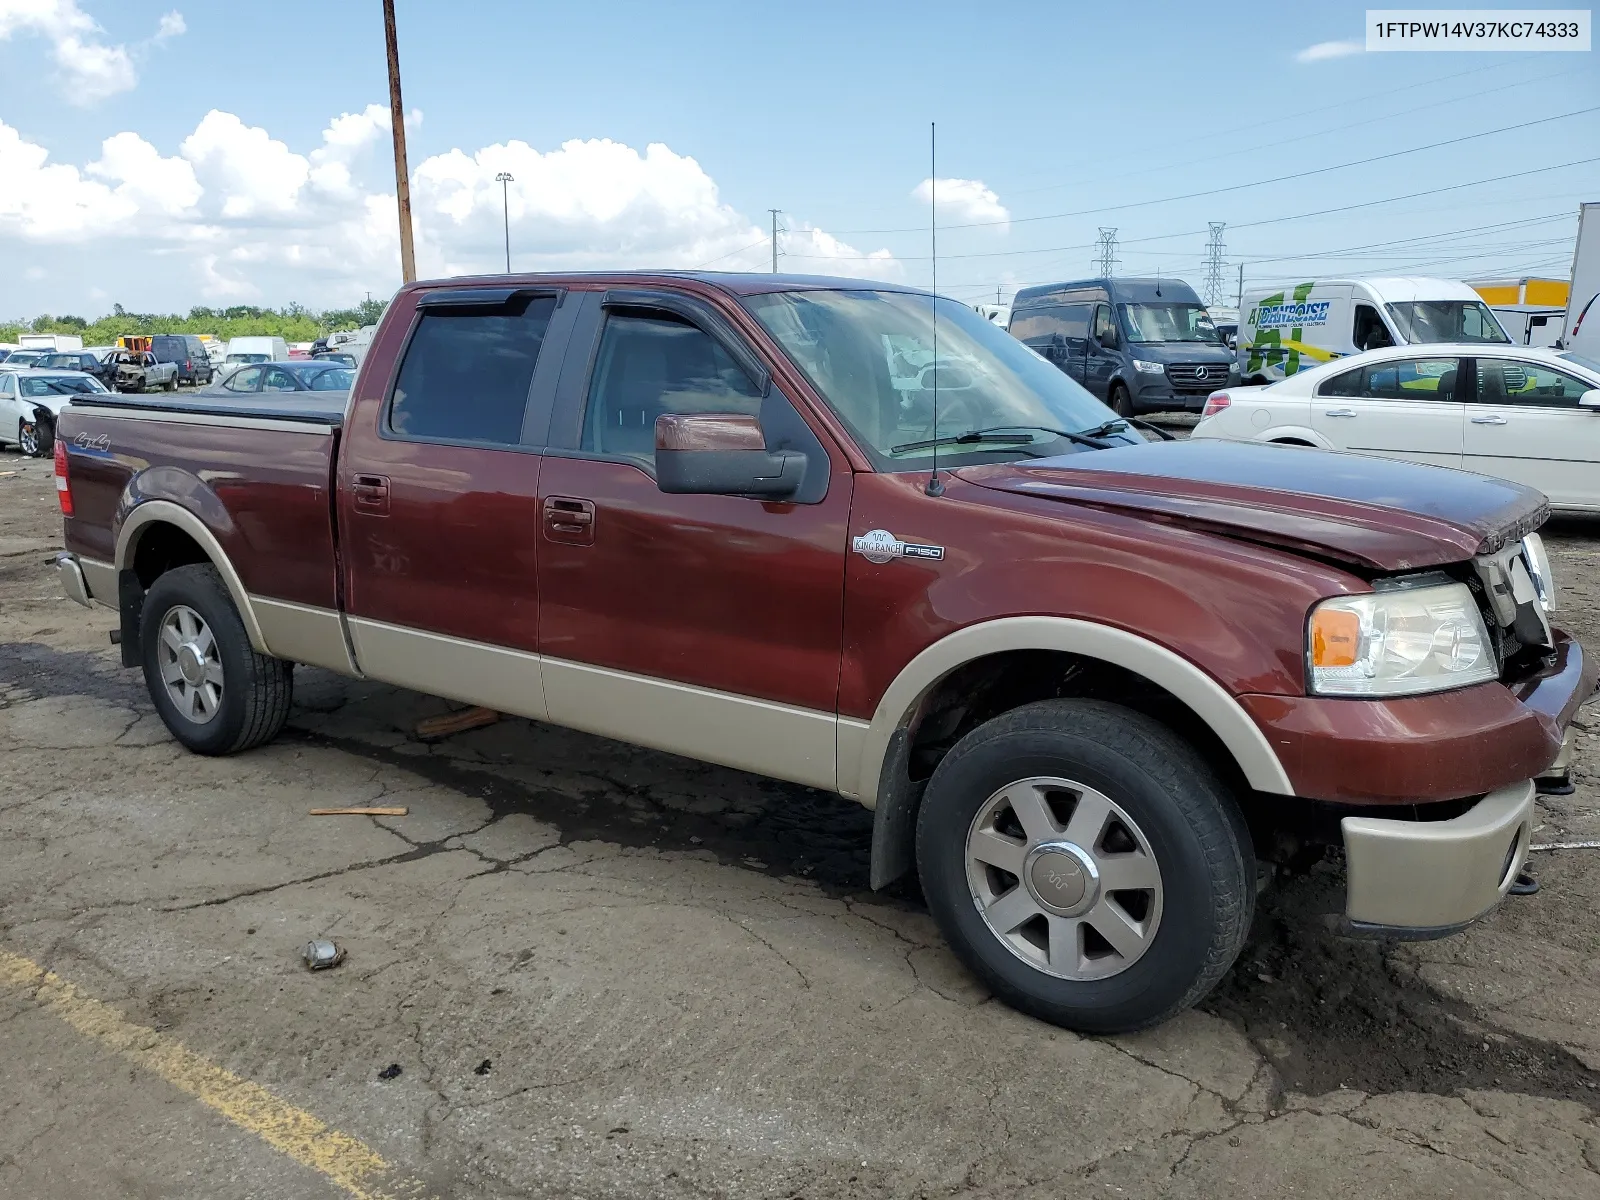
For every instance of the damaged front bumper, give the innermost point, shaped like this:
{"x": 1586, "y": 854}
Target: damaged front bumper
{"x": 1426, "y": 879}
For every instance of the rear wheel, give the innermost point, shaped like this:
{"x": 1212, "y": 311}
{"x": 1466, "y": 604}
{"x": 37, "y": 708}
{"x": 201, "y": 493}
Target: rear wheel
{"x": 1086, "y": 864}
{"x": 1120, "y": 400}
{"x": 172, "y": 384}
{"x": 213, "y": 691}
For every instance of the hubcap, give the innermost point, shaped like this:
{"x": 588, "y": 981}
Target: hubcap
{"x": 191, "y": 668}
{"x": 28, "y": 440}
{"x": 1064, "y": 877}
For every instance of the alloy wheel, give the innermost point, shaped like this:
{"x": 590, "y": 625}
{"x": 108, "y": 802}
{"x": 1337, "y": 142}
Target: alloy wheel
{"x": 191, "y": 667}
{"x": 1064, "y": 878}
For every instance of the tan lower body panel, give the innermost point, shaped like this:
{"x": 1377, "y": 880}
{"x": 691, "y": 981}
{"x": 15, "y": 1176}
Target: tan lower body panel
{"x": 496, "y": 677}
{"x": 796, "y": 744}
{"x": 303, "y": 634}
{"x": 1434, "y": 875}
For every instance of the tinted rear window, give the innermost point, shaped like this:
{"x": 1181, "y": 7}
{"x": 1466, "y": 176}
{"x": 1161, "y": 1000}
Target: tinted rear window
{"x": 466, "y": 374}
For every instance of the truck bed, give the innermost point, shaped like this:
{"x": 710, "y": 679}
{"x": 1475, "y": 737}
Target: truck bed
{"x": 257, "y": 473}
{"x": 314, "y": 408}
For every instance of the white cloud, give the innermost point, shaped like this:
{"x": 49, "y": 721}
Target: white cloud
{"x": 91, "y": 70}
{"x": 1326, "y": 50}
{"x": 257, "y": 219}
{"x": 964, "y": 200}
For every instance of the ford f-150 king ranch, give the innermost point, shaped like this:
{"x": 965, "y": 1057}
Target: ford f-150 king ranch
{"x": 851, "y": 536}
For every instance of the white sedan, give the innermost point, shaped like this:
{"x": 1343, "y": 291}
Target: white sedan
{"x": 1522, "y": 413}
{"x": 30, "y": 402}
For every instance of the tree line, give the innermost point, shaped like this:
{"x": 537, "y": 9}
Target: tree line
{"x": 294, "y": 323}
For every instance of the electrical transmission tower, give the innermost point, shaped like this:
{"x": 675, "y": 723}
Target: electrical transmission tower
{"x": 1214, "y": 248}
{"x": 1106, "y": 259}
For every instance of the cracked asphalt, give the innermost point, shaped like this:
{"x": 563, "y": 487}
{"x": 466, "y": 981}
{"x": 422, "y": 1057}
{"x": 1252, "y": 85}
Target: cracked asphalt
{"x": 605, "y": 972}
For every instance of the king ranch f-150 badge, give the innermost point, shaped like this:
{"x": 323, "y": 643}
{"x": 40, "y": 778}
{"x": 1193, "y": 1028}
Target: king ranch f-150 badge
{"x": 880, "y": 546}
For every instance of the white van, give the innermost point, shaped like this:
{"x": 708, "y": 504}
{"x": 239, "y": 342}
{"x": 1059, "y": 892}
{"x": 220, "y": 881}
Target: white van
{"x": 60, "y": 343}
{"x": 256, "y": 350}
{"x": 1285, "y": 330}
{"x": 1583, "y": 309}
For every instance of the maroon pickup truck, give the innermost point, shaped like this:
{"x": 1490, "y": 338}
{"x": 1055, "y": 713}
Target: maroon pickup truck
{"x": 843, "y": 534}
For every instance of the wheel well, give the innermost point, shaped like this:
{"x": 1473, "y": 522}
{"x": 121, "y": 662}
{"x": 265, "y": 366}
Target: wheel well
{"x": 1290, "y": 442}
{"x": 160, "y": 548}
{"x": 985, "y": 688}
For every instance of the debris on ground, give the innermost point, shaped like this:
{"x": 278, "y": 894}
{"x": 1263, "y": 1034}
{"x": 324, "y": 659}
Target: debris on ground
{"x": 320, "y": 954}
{"x": 433, "y": 728}
{"x": 483, "y": 1068}
{"x": 381, "y": 811}
{"x": 1591, "y": 844}
{"x": 392, "y": 1071}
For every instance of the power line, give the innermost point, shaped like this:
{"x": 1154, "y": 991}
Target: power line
{"x": 1236, "y": 187}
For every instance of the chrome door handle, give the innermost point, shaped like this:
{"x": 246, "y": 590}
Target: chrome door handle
{"x": 1340, "y": 412}
{"x": 1488, "y": 420}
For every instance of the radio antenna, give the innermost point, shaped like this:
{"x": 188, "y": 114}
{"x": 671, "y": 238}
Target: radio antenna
{"x": 935, "y": 487}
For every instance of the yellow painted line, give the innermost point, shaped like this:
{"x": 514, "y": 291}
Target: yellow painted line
{"x": 343, "y": 1160}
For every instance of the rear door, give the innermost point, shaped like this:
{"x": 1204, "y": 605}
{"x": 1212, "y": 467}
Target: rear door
{"x": 705, "y": 625}
{"x": 438, "y": 497}
{"x": 1408, "y": 408}
{"x": 1524, "y": 423}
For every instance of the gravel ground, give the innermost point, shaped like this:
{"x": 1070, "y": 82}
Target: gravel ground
{"x": 605, "y": 972}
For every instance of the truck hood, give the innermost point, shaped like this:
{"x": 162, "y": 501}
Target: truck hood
{"x": 1375, "y": 513}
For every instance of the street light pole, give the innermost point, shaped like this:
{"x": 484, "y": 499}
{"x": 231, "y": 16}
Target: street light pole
{"x": 505, "y": 179}
{"x": 402, "y": 176}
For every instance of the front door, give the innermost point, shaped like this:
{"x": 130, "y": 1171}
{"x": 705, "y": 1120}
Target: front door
{"x": 705, "y": 625}
{"x": 1406, "y": 408}
{"x": 1100, "y": 352}
{"x": 438, "y": 502}
{"x": 1524, "y": 423}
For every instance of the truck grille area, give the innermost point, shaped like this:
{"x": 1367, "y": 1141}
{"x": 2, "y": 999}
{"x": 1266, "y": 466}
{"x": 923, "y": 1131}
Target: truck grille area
{"x": 1197, "y": 377}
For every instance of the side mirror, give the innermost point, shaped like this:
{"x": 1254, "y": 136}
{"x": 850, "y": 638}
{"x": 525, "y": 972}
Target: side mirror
{"x": 1590, "y": 399}
{"x": 722, "y": 454}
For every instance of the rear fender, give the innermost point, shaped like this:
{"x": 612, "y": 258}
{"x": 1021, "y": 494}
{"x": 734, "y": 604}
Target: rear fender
{"x": 1299, "y": 433}
{"x": 171, "y": 496}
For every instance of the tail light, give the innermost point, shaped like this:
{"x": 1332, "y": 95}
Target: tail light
{"x": 63, "y": 487}
{"x": 1215, "y": 403}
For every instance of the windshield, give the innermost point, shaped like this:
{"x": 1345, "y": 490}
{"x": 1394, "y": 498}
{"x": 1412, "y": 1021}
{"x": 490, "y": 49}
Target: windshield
{"x": 1446, "y": 321}
{"x": 871, "y": 356}
{"x": 67, "y": 362}
{"x": 326, "y": 379}
{"x": 1169, "y": 323}
{"x": 247, "y": 358}
{"x": 60, "y": 385}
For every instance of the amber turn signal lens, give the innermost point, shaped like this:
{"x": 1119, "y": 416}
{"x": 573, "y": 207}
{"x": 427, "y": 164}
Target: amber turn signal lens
{"x": 1335, "y": 638}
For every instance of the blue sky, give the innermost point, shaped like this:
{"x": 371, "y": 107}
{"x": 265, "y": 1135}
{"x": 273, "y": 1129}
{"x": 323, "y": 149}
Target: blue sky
{"x": 221, "y": 184}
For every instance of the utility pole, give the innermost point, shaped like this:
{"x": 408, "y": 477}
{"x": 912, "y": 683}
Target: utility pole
{"x": 1214, "y": 250}
{"x": 505, "y": 179}
{"x": 774, "y": 212}
{"x": 1239, "y": 303}
{"x": 1106, "y": 260}
{"x": 402, "y": 175}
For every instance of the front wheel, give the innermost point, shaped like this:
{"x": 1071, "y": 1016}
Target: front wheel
{"x": 36, "y": 438}
{"x": 213, "y": 691}
{"x": 1120, "y": 401}
{"x": 1086, "y": 864}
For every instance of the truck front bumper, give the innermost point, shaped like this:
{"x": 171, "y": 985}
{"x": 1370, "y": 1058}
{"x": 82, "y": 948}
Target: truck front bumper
{"x": 1426, "y": 879}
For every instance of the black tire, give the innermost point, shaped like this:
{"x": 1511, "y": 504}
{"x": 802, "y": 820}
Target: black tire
{"x": 256, "y": 690}
{"x": 1120, "y": 400}
{"x": 172, "y": 384}
{"x": 1195, "y": 833}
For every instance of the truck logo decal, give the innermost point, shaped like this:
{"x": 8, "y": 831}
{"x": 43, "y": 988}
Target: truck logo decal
{"x": 881, "y": 546}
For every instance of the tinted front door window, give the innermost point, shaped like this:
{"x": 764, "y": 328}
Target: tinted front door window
{"x": 648, "y": 366}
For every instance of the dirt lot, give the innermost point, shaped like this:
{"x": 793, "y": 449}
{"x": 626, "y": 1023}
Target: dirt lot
{"x": 603, "y": 972}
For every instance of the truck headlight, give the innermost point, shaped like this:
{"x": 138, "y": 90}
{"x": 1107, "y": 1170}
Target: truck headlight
{"x": 1406, "y": 641}
{"x": 1147, "y": 368}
